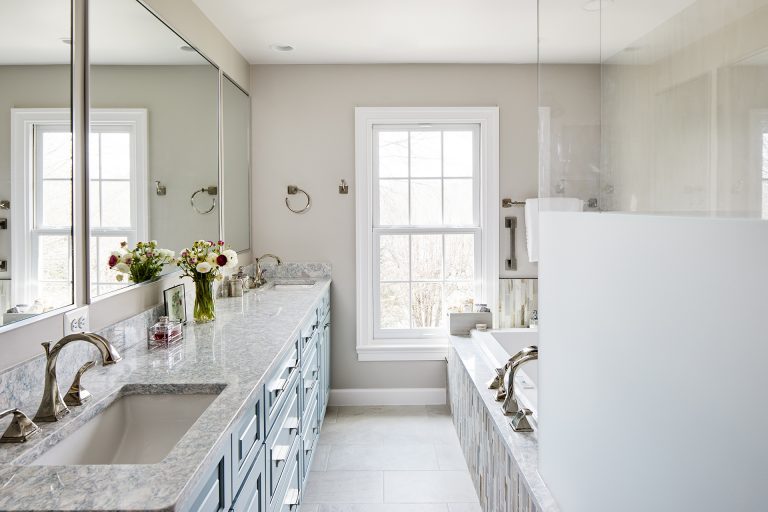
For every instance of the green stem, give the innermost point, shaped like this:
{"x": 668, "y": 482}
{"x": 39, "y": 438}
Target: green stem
{"x": 204, "y": 306}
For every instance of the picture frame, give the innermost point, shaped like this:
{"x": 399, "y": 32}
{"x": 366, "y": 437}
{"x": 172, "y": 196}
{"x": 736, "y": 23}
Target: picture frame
{"x": 175, "y": 303}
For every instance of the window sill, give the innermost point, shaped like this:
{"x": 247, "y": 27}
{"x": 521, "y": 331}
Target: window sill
{"x": 404, "y": 352}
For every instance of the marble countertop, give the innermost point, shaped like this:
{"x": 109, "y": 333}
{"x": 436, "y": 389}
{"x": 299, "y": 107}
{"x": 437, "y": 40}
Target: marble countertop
{"x": 524, "y": 447}
{"x": 232, "y": 355}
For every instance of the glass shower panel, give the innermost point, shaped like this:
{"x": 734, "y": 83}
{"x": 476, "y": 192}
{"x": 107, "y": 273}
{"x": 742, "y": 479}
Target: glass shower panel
{"x": 685, "y": 106}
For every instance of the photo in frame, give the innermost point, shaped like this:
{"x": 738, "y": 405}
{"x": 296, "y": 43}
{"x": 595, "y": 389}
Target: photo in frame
{"x": 175, "y": 303}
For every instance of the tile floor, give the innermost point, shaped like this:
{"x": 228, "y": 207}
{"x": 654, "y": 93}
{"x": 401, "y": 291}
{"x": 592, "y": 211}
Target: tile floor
{"x": 389, "y": 459}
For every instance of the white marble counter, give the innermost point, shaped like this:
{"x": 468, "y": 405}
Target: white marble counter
{"x": 232, "y": 354}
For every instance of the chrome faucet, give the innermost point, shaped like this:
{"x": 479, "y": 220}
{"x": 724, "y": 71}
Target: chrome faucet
{"x": 52, "y": 407}
{"x": 258, "y": 280}
{"x": 510, "y": 402}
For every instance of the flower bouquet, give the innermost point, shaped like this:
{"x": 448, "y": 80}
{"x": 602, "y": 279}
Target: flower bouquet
{"x": 143, "y": 263}
{"x": 204, "y": 263}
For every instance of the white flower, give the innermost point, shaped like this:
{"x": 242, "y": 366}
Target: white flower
{"x": 203, "y": 267}
{"x": 122, "y": 267}
{"x": 231, "y": 258}
{"x": 211, "y": 258}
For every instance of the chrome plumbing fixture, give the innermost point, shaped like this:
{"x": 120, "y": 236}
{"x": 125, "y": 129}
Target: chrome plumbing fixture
{"x": 77, "y": 394}
{"x": 52, "y": 407}
{"x": 520, "y": 422}
{"x": 20, "y": 429}
{"x": 258, "y": 279}
{"x": 510, "y": 402}
{"x": 292, "y": 191}
{"x": 498, "y": 381}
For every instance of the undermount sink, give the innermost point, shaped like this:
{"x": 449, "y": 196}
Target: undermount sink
{"x": 294, "y": 284}
{"x": 134, "y": 429}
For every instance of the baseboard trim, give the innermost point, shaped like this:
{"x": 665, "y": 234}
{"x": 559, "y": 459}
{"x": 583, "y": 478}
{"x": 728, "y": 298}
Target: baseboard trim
{"x": 388, "y": 396}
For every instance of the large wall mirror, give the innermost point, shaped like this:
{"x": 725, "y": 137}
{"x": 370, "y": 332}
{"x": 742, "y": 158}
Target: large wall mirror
{"x": 236, "y": 166}
{"x": 36, "y": 172}
{"x": 153, "y": 162}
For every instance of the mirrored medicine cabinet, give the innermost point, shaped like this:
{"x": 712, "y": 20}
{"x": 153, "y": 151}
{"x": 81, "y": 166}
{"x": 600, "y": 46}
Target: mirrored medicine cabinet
{"x": 168, "y": 150}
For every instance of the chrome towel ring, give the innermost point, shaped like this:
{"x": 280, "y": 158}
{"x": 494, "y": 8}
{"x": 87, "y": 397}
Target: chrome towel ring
{"x": 292, "y": 191}
{"x": 212, "y": 191}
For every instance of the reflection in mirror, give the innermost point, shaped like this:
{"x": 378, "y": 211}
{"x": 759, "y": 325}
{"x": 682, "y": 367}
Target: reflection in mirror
{"x": 154, "y": 118}
{"x": 36, "y": 140}
{"x": 236, "y": 107}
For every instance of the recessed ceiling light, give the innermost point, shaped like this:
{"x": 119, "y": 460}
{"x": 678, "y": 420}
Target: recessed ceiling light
{"x": 186, "y": 48}
{"x": 596, "y": 5}
{"x": 66, "y": 40}
{"x": 281, "y": 47}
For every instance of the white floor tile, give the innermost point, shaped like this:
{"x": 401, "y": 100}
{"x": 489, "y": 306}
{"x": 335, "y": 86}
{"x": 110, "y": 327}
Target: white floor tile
{"x": 450, "y": 457}
{"x": 382, "y": 457}
{"x": 428, "y": 487}
{"x": 367, "y": 507}
{"x": 320, "y": 460}
{"x": 312, "y": 507}
{"x": 344, "y": 487}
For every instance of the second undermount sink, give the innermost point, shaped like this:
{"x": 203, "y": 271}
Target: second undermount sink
{"x": 294, "y": 284}
{"x": 134, "y": 429}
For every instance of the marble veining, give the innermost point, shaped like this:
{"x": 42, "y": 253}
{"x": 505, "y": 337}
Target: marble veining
{"x": 231, "y": 355}
{"x": 291, "y": 269}
{"x": 503, "y": 463}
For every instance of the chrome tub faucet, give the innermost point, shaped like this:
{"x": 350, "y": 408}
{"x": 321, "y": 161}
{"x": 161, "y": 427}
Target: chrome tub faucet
{"x": 527, "y": 354}
{"x": 52, "y": 407}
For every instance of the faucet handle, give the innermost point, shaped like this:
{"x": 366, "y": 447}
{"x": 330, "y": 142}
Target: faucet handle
{"x": 78, "y": 395}
{"x": 20, "y": 429}
{"x": 520, "y": 421}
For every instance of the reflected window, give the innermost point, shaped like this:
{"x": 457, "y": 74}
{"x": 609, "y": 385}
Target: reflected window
{"x": 426, "y": 225}
{"x": 41, "y": 267}
{"x": 764, "y": 174}
{"x": 118, "y": 189}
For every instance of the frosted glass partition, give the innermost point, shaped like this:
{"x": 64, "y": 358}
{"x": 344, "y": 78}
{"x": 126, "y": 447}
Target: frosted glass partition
{"x": 685, "y": 106}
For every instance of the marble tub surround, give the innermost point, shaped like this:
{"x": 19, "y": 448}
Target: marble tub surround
{"x": 503, "y": 463}
{"x": 231, "y": 355}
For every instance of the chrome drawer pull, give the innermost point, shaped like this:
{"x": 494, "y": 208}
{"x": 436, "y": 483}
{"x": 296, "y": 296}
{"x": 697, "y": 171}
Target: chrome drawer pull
{"x": 280, "y": 454}
{"x": 292, "y": 499}
{"x": 279, "y": 386}
{"x": 309, "y": 384}
{"x": 292, "y": 424}
{"x": 293, "y": 364}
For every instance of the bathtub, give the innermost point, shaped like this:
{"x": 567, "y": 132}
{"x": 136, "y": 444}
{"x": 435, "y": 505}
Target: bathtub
{"x": 498, "y": 346}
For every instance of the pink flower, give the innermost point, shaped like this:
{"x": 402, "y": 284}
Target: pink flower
{"x": 221, "y": 243}
{"x": 112, "y": 261}
{"x": 221, "y": 260}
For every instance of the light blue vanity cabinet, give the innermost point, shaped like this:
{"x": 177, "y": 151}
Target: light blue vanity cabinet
{"x": 266, "y": 462}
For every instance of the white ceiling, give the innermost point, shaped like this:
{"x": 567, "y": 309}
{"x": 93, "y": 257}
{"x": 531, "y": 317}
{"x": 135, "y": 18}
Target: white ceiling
{"x": 122, "y": 32}
{"x": 432, "y": 31}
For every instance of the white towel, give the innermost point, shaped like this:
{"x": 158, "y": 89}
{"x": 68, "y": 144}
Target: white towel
{"x": 532, "y": 209}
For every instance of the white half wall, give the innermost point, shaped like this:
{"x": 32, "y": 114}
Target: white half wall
{"x": 653, "y": 362}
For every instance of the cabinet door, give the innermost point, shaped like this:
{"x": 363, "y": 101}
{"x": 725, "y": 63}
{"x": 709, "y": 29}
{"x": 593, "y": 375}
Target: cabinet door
{"x": 215, "y": 493}
{"x": 252, "y": 496}
{"x": 247, "y": 438}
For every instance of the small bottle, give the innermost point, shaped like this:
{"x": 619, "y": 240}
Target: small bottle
{"x": 164, "y": 333}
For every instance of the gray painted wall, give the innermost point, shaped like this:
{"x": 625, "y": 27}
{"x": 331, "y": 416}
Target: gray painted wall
{"x": 303, "y": 134}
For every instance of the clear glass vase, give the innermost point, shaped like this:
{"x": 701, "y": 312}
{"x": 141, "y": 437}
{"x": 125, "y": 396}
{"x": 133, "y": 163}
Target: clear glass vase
{"x": 204, "y": 306}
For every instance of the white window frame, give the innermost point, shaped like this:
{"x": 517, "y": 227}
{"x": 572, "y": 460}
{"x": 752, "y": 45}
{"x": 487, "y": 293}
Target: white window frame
{"x": 373, "y": 347}
{"x": 23, "y": 123}
{"x": 102, "y": 121}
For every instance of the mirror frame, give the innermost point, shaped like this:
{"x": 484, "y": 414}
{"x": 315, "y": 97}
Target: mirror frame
{"x": 89, "y": 299}
{"x": 80, "y": 105}
{"x": 222, "y": 224}
{"x": 77, "y": 110}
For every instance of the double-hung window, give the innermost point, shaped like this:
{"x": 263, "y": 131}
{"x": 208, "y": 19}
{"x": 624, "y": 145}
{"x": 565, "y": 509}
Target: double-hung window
{"x": 426, "y": 241}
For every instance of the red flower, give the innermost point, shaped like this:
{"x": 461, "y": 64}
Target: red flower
{"x": 221, "y": 260}
{"x": 112, "y": 261}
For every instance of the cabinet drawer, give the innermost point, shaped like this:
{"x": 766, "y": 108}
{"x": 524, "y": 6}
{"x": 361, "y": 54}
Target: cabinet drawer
{"x": 310, "y": 433}
{"x": 308, "y": 333}
{"x": 310, "y": 376}
{"x": 283, "y": 437}
{"x": 324, "y": 307}
{"x": 288, "y": 495}
{"x": 252, "y": 495}
{"x": 213, "y": 495}
{"x": 247, "y": 438}
{"x": 279, "y": 382}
